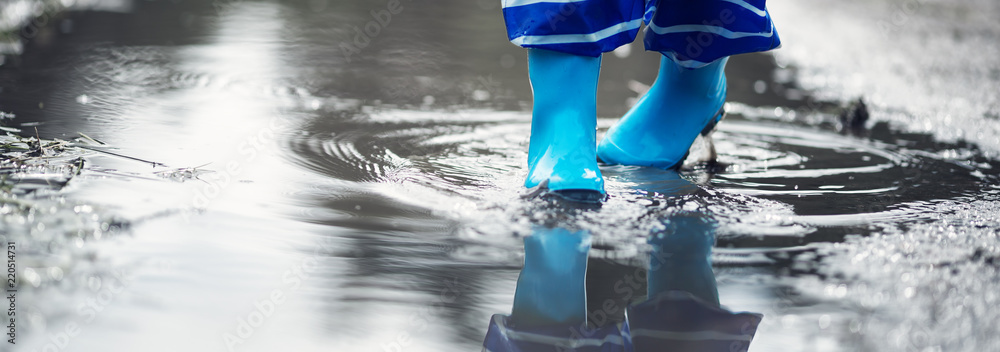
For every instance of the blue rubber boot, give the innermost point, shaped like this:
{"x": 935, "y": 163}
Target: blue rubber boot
{"x": 551, "y": 289}
{"x": 562, "y": 155}
{"x": 682, "y": 258}
{"x": 660, "y": 128}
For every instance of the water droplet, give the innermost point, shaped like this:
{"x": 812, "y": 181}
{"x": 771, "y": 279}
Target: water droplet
{"x": 480, "y": 95}
{"x": 841, "y": 291}
{"x": 94, "y": 283}
{"x": 55, "y": 273}
{"x": 855, "y": 326}
{"x": 759, "y": 87}
{"x": 32, "y": 277}
{"x": 824, "y": 321}
{"x": 789, "y": 321}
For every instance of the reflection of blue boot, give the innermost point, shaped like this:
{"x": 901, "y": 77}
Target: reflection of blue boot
{"x": 551, "y": 288}
{"x": 562, "y": 153}
{"x": 683, "y": 310}
{"x": 681, "y": 259}
{"x": 660, "y": 128}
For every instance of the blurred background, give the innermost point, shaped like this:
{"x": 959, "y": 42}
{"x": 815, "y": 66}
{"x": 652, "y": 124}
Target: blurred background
{"x": 228, "y": 175}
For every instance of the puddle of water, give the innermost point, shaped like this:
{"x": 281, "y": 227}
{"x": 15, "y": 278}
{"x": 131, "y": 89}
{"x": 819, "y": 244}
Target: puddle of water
{"x": 321, "y": 189}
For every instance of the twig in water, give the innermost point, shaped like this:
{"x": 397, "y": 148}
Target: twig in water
{"x": 155, "y": 164}
{"x": 41, "y": 148}
{"x": 91, "y": 139}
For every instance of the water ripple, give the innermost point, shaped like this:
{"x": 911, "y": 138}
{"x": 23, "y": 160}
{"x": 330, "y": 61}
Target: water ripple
{"x": 467, "y": 166}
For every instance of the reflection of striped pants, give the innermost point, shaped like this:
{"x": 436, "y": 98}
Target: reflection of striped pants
{"x": 672, "y": 321}
{"x": 691, "y": 32}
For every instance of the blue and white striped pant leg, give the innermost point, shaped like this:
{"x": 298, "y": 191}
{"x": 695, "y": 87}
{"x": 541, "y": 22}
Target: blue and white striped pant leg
{"x": 580, "y": 27}
{"x": 501, "y": 337}
{"x": 696, "y": 33}
{"x": 692, "y": 33}
{"x": 679, "y": 321}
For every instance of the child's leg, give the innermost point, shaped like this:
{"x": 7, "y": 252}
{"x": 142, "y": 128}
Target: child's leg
{"x": 565, "y": 40}
{"x": 696, "y": 38}
{"x": 659, "y": 129}
{"x": 563, "y": 145}
{"x": 551, "y": 288}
